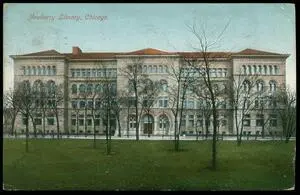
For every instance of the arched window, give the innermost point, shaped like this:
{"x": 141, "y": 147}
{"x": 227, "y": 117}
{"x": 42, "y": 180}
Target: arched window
{"x": 48, "y": 71}
{"x": 164, "y": 85}
{"x": 165, "y": 68}
{"x": 25, "y": 85}
{"x": 90, "y": 89}
{"x": 44, "y": 70}
{"x": 149, "y": 69}
{"x": 272, "y": 86}
{"x": 39, "y": 71}
{"x": 260, "y": 85}
{"x": 145, "y": 69}
{"x": 276, "y": 69}
{"x": 132, "y": 122}
{"x": 259, "y": 69}
{"x": 98, "y": 88}
{"x": 224, "y": 72}
{"x": 271, "y": 70}
{"x": 155, "y": 69}
{"x": 74, "y": 89}
{"x": 249, "y": 70}
{"x": 254, "y": 69}
{"x": 160, "y": 69}
{"x": 246, "y": 85}
{"x": 34, "y": 71}
{"x": 148, "y": 124}
{"x": 244, "y": 70}
{"x": 37, "y": 87}
{"x": 82, "y": 88}
{"x": 27, "y": 70}
{"x": 51, "y": 87}
{"x": 219, "y": 72}
{"x": 53, "y": 70}
{"x": 164, "y": 124}
{"x": 265, "y": 70}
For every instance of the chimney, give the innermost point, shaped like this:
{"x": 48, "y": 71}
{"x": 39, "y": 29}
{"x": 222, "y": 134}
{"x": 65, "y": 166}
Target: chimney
{"x": 76, "y": 50}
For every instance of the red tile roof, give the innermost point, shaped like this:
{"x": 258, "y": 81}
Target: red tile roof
{"x": 51, "y": 52}
{"x": 255, "y": 52}
{"x": 148, "y": 51}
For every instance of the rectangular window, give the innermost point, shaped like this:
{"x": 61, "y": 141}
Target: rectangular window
{"x": 88, "y": 72}
{"x": 90, "y": 104}
{"x": 89, "y": 122}
{"x": 24, "y": 121}
{"x": 191, "y": 104}
{"x": 259, "y": 120}
{"x": 207, "y": 123}
{"x": 97, "y": 122}
{"x": 99, "y": 73}
{"x": 191, "y": 121}
{"x": 183, "y": 121}
{"x": 50, "y": 121}
{"x": 73, "y": 121}
{"x": 81, "y": 122}
{"x": 73, "y": 72}
{"x": 37, "y": 121}
{"x": 74, "y": 104}
{"x": 78, "y": 73}
{"x": 94, "y": 73}
{"x": 83, "y": 73}
{"x": 273, "y": 120}
{"x": 246, "y": 121}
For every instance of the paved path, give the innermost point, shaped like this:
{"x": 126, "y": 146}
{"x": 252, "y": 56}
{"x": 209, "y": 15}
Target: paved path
{"x": 124, "y": 137}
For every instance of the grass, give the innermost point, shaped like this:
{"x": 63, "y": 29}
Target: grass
{"x": 146, "y": 165}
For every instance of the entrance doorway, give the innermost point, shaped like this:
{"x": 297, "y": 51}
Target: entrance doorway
{"x": 148, "y": 124}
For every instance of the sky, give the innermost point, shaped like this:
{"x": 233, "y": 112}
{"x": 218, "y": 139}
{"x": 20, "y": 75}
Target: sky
{"x": 126, "y": 27}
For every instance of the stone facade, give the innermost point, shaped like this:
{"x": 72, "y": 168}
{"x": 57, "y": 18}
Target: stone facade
{"x": 78, "y": 69}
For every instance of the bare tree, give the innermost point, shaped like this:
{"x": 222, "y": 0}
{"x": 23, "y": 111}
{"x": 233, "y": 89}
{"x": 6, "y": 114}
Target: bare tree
{"x": 11, "y": 108}
{"x": 110, "y": 98}
{"x": 202, "y": 63}
{"x": 133, "y": 72}
{"x": 287, "y": 111}
{"x": 181, "y": 77}
{"x": 55, "y": 99}
{"x": 26, "y": 101}
{"x": 242, "y": 92}
{"x": 148, "y": 95}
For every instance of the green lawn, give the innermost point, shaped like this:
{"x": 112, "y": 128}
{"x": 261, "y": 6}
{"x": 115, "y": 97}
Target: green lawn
{"x": 147, "y": 165}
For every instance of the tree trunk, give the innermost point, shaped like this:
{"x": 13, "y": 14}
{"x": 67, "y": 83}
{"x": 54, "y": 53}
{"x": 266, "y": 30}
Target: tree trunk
{"x": 13, "y": 126}
{"x": 34, "y": 126}
{"x": 119, "y": 125}
{"x": 44, "y": 128}
{"x": 214, "y": 144}
{"x": 136, "y": 122}
{"x": 57, "y": 124}
{"x": 27, "y": 134}
{"x": 94, "y": 133}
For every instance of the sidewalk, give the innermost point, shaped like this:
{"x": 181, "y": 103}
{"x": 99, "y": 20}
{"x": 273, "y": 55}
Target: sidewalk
{"x": 143, "y": 137}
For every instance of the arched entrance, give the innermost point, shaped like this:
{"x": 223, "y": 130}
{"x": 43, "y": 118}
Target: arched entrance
{"x": 164, "y": 124}
{"x": 148, "y": 123}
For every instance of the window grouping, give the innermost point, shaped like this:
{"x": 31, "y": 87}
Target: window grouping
{"x": 260, "y": 69}
{"x": 155, "y": 69}
{"x": 261, "y": 120}
{"x": 260, "y": 86}
{"x": 90, "y": 88}
{"x": 88, "y": 72}
{"x": 192, "y": 122}
{"x": 197, "y": 72}
{"x": 39, "y": 70}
